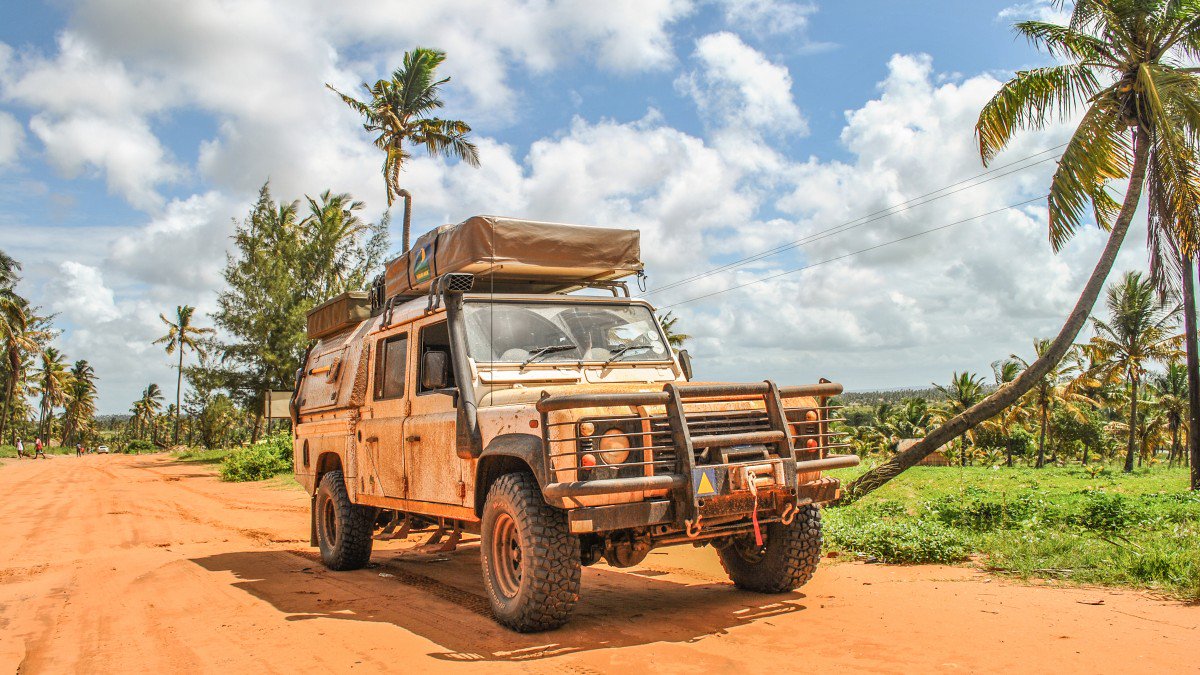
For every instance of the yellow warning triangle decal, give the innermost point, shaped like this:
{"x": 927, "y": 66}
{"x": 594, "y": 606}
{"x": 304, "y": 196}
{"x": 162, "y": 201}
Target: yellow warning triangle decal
{"x": 706, "y": 485}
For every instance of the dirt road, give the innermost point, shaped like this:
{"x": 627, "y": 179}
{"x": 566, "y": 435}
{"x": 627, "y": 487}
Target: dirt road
{"x": 130, "y": 564}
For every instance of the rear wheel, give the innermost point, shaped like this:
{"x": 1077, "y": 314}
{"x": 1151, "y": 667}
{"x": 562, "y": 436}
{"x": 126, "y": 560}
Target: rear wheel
{"x": 786, "y": 560}
{"x": 343, "y": 527}
{"x": 531, "y": 562}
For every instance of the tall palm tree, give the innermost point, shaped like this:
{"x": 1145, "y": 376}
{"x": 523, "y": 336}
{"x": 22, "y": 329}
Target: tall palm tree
{"x": 53, "y": 381}
{"x": 333, "y": 231}
{"x": 1123, "y": 69}
{"x": 181, "y": 335}
{"x": 1171, "y": 388}
{"x": 147, "y": 409}
{"x": 1139, "y": 331}
{"x": 964, "y": 391}
{"x": 17, "y": 340}
{"x": 1057, "y": 390}
{"x": 676, "y": 339}
{"x": 80, "y": 401}
{"x": 399, "y": 109}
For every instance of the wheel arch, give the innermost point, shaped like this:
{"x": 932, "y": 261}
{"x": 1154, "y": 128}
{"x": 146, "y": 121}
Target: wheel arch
{"x": 508, "y": 453}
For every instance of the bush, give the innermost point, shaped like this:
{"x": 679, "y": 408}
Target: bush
{"x": 898, "y": 541}
{"x": 269, "y": 457}
{"x": 1105, "y": 511}
{"x": 138, "y": 446}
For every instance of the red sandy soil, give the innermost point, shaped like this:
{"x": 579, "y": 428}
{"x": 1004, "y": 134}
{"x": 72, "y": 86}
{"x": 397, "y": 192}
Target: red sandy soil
{"x": 134, "y": 564}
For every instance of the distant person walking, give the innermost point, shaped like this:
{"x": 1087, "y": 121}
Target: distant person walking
{"x": 79, "y": 449}
{"x": 20, "y": 448}
{"x": 38, "y": 449}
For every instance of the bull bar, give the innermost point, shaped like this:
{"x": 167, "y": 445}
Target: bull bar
{"x": 684, "y": 442}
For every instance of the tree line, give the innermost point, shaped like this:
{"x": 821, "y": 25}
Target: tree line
{"x": 36, "y": 378}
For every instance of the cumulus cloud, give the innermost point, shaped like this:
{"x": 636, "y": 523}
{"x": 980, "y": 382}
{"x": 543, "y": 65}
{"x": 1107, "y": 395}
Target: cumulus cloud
{"x": 768, "y": 17}
{"x": 736, "y": 86}
{"x": 1037, "y": 10}
{"x": 12, "y": 136}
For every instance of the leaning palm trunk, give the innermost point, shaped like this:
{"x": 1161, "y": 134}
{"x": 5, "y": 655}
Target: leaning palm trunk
{"x": 1193, "y": 371}
{"x": 1041, "y": 459}
{"x": 1031, "y": 376}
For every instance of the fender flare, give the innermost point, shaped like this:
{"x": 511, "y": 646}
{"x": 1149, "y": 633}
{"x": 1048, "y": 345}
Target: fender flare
{"x": 527, "y": 448}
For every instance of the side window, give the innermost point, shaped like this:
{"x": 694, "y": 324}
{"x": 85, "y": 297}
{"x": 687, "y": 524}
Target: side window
{"x": 390, "y": 360}
{"x": 435, "y": 338}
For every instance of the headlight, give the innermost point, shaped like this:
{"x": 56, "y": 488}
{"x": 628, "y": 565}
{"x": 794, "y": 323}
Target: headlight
{"x": 614, "y": 446}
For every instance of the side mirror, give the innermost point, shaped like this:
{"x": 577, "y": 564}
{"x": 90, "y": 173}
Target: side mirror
{"x": 685, "y": 363}
{"x": 435, "y": 370}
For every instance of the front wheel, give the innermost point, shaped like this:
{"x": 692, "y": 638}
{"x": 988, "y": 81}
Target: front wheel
{"x": 343, "y": 527}
{"x": 786, "y": 560}
{"x": 531, "y": 562}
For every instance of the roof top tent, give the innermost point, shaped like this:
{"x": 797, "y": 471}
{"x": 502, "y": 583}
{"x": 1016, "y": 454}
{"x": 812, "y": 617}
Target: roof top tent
{"x": 505, "y": 255}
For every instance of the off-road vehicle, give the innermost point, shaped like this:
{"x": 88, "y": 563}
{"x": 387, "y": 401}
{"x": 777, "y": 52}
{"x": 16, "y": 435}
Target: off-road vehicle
{"x": 498, "y": 380}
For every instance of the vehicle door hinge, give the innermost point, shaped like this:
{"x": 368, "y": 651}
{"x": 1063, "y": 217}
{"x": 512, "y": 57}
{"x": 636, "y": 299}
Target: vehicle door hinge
{"x": 404, "y": 486}
{"x": 462, "y": 490}
{"x": 407, "y": 408}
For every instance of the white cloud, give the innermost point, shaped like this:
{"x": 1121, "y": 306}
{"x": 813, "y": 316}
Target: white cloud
{"x": 736, "y": 86}
{"x": 12, "y": 137}
{"x": 1037, "y": 10}
{"x": 79, "y": 294}
{"x": 763, "y": 17}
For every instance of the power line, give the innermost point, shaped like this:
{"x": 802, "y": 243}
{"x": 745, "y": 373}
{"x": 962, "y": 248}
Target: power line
{"x": 866, "y": 219}
{"x": 847, "y": 255}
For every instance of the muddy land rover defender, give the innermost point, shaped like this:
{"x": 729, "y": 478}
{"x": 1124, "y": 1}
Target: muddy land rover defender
{"x": 470, "y": 391}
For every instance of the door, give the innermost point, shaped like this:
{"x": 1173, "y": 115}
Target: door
{"x": 380, "y": 436}
{"x": 433, "y": 468}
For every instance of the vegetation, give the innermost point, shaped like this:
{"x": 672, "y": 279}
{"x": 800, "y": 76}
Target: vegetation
{"x": 399, "y": 109}
{"x": 1123, "y": 70}
{"x": 259, "y": 461}
{"x": 1090, "y": 525}
{"x": 181, "y": 335}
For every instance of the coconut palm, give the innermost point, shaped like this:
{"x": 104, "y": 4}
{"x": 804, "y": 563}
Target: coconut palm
{"x": 17, "y": 340}
{"x": 1139, "y": 113}
{"x": 1139, "y": 331}
{"x": 1057, "y": 390}
{"x": 53, "y": 380}
{"x": 676, "y": 339}
{"x": 181, "y": 335}
{"x": 964, "y": 391}
{"x": 80, "y": 401}
{"x": 1171, "y": 388}
{"x": 147, "y": 408}
{"x": 398, "y": 111}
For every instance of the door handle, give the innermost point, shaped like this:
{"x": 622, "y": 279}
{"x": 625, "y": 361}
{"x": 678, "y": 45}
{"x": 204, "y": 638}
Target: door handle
{"x": 412, "y": 439}
{"x": 372, "y": 439}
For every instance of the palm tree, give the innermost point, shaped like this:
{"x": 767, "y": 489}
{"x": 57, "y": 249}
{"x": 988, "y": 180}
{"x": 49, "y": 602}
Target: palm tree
{"x": 53, "y": 381}
{"x": 668, "y": 320}
{"x": 1171, "y": 387}
{"x": 16, "y": 341}
{"x": 147, "y": 408}
{"x": 1139, "y": 331}
{"x": 964, "y": 391}
{"x": 1140, "y": 111}
{"x": 81, "y": 401}
{"x": 1057, "y": 390}
{"x": 398, "y": 111}
{"x": 333, "y": 231}
{"x": 180, "y": 335}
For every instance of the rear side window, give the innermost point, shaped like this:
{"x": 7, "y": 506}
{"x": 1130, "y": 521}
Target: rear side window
{"x": 391, "y": 358}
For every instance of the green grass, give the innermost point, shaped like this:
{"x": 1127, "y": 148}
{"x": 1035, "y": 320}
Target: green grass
{"x": 1139, "y": 530}
{"x": 202, "y": 455}
{"x": 10, "y": 451}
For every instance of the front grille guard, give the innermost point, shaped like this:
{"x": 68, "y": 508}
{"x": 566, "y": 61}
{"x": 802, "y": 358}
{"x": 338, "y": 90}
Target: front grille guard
{"x": 790, "y": 434}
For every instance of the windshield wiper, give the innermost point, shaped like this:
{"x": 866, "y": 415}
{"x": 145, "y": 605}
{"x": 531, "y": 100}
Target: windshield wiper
{"x": 620, "y": 351}
{"x": 549, "y": 349}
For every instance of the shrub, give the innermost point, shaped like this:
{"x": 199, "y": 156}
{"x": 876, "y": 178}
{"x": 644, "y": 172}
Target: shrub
{"x": 138, "y": 446}
{"x": 898, "y": 541}
{"x": 1105, "y": 511}
{"x": 269, "y": 457}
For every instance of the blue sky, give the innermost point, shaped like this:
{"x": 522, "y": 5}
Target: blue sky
{"x": 132, "y": 133}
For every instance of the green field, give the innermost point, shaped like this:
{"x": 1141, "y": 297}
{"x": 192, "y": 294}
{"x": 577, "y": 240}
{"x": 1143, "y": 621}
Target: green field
{"x": 1083, "y": 525}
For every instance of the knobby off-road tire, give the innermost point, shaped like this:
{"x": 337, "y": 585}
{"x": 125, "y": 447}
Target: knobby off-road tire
{"x": 785, "y": 562}
{"x": 530, "y": 559}
{"x": 343, "y": 527}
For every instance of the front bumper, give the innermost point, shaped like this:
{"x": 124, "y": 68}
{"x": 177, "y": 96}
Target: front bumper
{"x": 705, "y": 490}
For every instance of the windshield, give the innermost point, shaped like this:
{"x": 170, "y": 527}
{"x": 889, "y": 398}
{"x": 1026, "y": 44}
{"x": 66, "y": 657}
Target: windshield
{"x": 538, "y": 332}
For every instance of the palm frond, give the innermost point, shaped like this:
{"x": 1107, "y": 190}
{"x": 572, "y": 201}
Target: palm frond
{"x": 1028, "y": 100}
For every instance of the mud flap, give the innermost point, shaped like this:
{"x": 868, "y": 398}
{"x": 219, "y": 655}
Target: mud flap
{"x": 312, "y": 520}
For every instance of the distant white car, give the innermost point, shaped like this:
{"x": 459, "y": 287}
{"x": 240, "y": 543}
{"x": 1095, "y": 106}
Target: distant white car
{"x": 103, "y": 449}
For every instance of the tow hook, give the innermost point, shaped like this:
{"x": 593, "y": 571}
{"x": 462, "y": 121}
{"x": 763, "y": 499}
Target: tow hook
{"x": 693, "y": 527}
{"x": 750, "y": 482}
{"x": 789, "y": 513}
